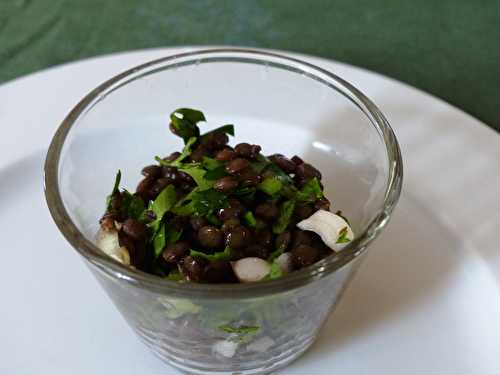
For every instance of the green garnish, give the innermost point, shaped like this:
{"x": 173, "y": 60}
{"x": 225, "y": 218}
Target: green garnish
{"x": 228, "y": 129}
{"x": 208, "y": 201}
{"x": 159, "y": 240}
{"x": 165, "y": 235}
{"x": 240, "y": 330}
{"x": 260, "y": 163}
{"x": 184, "y": 121}
{"x": 279, "y": 174}
{"x": 201, "y": 203}
{"x": 216, "y": 173}
{"x": 110, "y": 197}
{"x": 275, "y": 272}
{"x": 174, "y": 275}
{"x": 270, "y": 186}
{"x": 198, "y": 175}
{"x": 245, "y": 192}
{"x": 276, "y": 253}
{"x": 210, "y": 163}
{"x": 132, "y": 205}
{"x": 310, "y": 192}
{"x": 186, "y": 151}
{"x": 343, "y": 236}
{"x": 286, "y": 212}
{"x": 164, "y": 201}
{"x": 250, "y": 219}
{"x": 221, "y": 255}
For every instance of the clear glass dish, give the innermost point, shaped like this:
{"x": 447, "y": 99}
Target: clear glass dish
{"x": 285, "y": 105}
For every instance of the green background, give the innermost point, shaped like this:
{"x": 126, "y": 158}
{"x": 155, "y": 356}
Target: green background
{"x": 450, "y": 48}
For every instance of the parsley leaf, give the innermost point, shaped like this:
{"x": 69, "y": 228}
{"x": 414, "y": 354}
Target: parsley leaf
{"x": 208, "y": 201}
{"x": 184, "y": 121}
{"x": 279, "y": 174}
{"x": 110, "y": 197}
{"x": 270, "y": 186}
{"x": 310, "y": 192}
{"x": 250, "y": 219}
{"x": 276, "y": 253}
{"x": 164, "y": 236}
{"x": 286, "y": 212}
{"x": 221, "y": 255}
{"x": 132, "y": 205}
{"x": 174, "y": 275}
{"x": 159, "y": 240}
{"x": 186, "y": 151}
{"x": 164, "y": 201}
{"x": 217, "y": 173}
{"x": 245, "y": 192}
{"x": 343, "y": 236}
{"x": 210, "y": 163}
{"x": 198, "y": 175}
{"x": 240, "y": 330}
{"x": 275, "y": 272}
{"x": 201, "y": 203}
{"x": 228, "y": 129}
{"x": 260, "y": 163}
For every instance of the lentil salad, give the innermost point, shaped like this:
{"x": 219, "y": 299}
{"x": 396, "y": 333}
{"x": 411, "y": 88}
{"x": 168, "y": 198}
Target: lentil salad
{"x": 213, "y": 213}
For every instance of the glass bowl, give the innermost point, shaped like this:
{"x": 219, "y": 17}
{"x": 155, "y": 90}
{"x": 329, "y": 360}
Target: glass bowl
{"x": 287, "y": 106}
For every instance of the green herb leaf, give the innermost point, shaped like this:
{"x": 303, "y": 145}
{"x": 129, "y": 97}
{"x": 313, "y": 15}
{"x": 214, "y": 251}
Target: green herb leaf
{"x": 185, "y": 206}
{"x": 217, "y": 173}
{"x": 270, "y": 186}
{"x": 110, "y": 197}
{"x": 275, "y": 272}
{"x": 228, "y": 129}
{"x": 159, "y": 240}
{"x": 279, "y": 174}
{"x": 240, "y": 330}
{"x": 164, "y": 201}
{"x": 208, "y": 201}
{"x": 310, "y": 192}
{"x": 260, "y": 163}
{"x": 286, "y": 212}
{"x": 184, "y": 121}
{"x": 117, "y": 182}
{"x": 221, "y": 255}
{"x": 343, "y": 236}
{"x": 250, "y": 219}
{"x": 245, "y": 192}
{"x": 172, "y": 235}
{"x": 201, "y": 203}
{"x": 276, "y": 253}
{"x": 198, "y": 175}
{"x": 132, "y": 205}
{"x": 212, "y": 219}
{"x": 174, "y": 275}
{"x": 186, "y": 151}
{"x": 210, "y": 163}
{"x": 164, "y": 236}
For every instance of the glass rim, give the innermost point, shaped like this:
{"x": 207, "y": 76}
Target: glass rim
{"x": 291, "y": 281}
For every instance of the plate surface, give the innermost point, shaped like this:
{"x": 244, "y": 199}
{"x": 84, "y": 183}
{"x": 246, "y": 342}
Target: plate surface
{"x": 426, "y": 300}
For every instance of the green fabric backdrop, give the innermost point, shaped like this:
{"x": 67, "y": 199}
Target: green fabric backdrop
{"x": 450, "y": 48}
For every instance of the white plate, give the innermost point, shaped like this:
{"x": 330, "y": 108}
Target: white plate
{"x": 425, "y": 301}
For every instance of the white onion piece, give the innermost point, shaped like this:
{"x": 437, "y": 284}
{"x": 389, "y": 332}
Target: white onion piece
{"x": 251, "y": 269}
{"x": 328, "y": 226}
{"x": 261, "y": 345}
{"x": 284, "y": 261}
{"x": 108, "y": 242}
{"x": 225, "y": 348}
